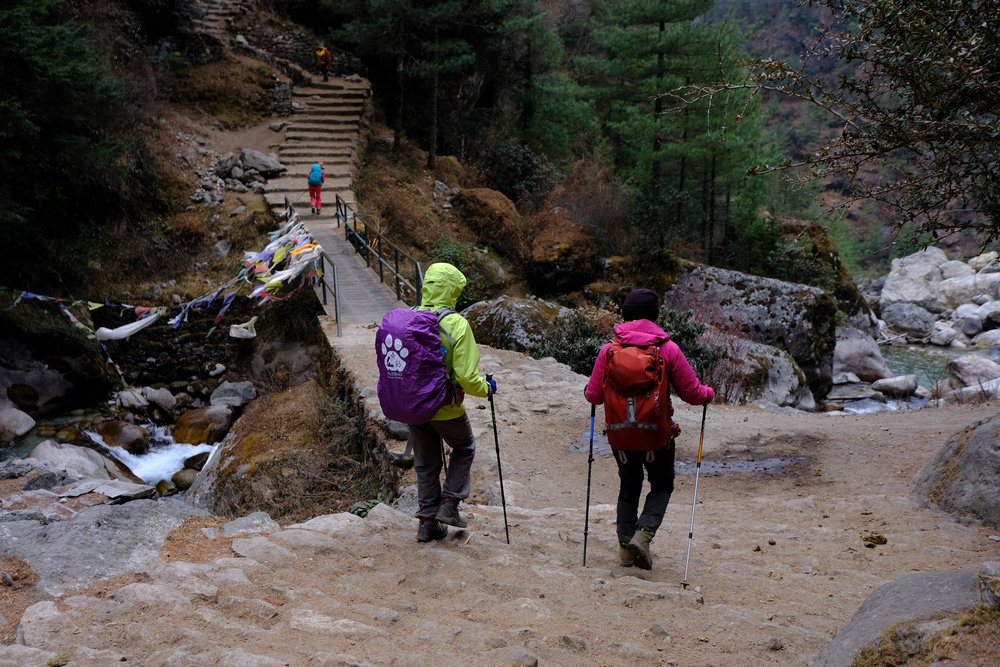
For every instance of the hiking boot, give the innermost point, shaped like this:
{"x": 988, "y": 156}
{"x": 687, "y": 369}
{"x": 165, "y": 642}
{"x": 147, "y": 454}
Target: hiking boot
{"x": 431, "y": 530}
{"x": 639, "y": 548}
{"x": 448, "y": 513}
{"x": 625, "y": 556}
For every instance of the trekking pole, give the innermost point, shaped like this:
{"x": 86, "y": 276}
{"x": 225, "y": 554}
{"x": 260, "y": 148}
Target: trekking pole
{"x": 697, "y": 469}
{"x": 503, "y": 499}
{"x": 590, "y": 465}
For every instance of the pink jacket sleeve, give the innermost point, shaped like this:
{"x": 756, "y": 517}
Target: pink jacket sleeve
{"x": 682, "y": 376}
{"x": 595, "y": 386}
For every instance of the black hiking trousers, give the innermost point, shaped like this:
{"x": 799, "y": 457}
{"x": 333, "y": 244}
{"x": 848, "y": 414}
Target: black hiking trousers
{"x": 659, "y": 467}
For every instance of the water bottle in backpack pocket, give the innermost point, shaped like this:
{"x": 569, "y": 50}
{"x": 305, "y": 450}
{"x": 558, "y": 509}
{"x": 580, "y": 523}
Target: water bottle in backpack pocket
{"x": 637, "y": 405}
{"x": 413, "y": 381}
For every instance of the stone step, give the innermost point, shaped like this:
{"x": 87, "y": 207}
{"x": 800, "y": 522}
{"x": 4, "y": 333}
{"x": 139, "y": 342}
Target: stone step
{"x": 325, "y": 118}
{"x": 328, "y": 93}
{"x": 320, "y": 131}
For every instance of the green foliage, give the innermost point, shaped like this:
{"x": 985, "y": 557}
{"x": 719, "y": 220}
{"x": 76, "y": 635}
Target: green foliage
{"x": 362, "y": 507}
{"x": 685, "y": 331}
{"x": 466, "y": 258}
{"x": 519, "y": 173}
{"x": 69, "y": 150}
{"x": 575, "y": 342}
{"x": 859, "y": 255}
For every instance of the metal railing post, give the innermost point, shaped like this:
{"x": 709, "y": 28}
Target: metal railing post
{"x": 322, "y": 277}
{"x": 336, "y": 299}
{"x": 396, "y": 273}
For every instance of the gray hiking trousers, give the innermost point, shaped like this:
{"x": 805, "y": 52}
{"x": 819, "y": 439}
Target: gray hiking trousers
{"x": 427, "y": 462}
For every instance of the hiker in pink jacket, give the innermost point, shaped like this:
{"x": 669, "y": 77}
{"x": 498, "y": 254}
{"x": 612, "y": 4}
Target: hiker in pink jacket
{"x": 640, "y": 311}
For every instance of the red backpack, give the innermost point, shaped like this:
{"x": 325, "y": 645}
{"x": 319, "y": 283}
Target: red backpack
{"x": 637, "y": 405}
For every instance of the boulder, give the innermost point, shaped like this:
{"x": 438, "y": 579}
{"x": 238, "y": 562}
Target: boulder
{"x": 956, "y": 269}
{"x": 908, "y": 318}
{"x": 987, "y": 339}
{"x": 235, "y": 394}
{"x": 755, "y": 372}
{"x": 915, "y": 279}
{"x": 856, "y": 352}
{"x": 267, "y": 164}
{"x": 161, "y": 398}
{"x": 81, "y": 461}
{"x": 198, "y": 461}
{"x": 203, "y": 425}
{"x": 132, "y": 400}
{"x": 901, "y": 386}
{"x": 14, "y": 423}
{"x": 564, "y": 257}
{"x": 845, "y": 378}
{"x": 986, "y": 391}
{"x": 130, "y": 437}
{"x": 224, "y": 164}
{"x": 913, "y": 597}
{"x": 942, "y": 335}
{"x": 971, "y": 370}
{"x": 962, "y": 479}
{"x": 513, "y": 324}
{"x": 97, "y": 543}
{"x": 855, "y": 392}
{"x": 50, "y": 369}
{"x": 957, "y": 291}
{"x": 796, "y": 318}
{"x": 494, "y": 218}
{"x": 982, "y": 261}
{"x": 184, "y": 478}
{"x": 970, "y": 326}
{"x": 989, "y": 313}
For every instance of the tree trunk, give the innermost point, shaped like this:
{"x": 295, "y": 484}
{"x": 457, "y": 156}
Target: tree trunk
{"x": 432, "y": 139}
{"x": 397, "y": 116}
{"x": 711, "y": 208}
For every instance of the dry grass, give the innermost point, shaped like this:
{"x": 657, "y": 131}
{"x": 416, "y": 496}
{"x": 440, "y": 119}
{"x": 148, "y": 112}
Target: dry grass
{"x": 949, "y": 472}
{"x": 396, "y": 192}
{"x": 16, "y": 594}
{"x": 188, "y": 543}
{"x": 973, "y": 640}
{"x": 232, "y": 91}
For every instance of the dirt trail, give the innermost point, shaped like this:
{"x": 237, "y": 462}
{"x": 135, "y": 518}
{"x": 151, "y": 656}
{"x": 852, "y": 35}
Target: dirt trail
{"x": 777, "y": 568}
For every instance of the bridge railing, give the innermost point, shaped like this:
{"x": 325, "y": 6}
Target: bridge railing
{"x": 389, "y": 261}
{"x": 328, "y": 276}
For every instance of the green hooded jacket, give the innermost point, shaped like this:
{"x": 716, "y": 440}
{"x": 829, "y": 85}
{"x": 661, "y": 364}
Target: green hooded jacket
{"x": 443, "y": 284}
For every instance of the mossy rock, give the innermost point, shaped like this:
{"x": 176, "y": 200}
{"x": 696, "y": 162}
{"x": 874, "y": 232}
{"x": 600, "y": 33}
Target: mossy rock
{"x": 494, "y": 218}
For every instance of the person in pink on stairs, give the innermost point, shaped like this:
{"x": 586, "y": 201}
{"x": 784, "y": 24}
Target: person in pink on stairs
{"x": 317, "y": 176}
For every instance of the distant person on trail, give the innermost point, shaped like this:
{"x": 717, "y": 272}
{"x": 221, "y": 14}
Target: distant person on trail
{"x": 638, "y": 412}
{"x": 316, "y": 179}
{"x": 437, "y": 505}
{"x": 324, "y": 61}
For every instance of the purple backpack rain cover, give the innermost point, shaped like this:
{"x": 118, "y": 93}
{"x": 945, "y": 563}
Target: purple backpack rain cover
{"x": 412, "y": 378}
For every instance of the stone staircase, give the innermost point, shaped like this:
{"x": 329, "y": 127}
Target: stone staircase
{"x": 325, "y": 127}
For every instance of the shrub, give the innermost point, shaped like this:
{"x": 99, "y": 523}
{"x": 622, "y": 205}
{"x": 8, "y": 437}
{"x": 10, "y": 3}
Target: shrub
{"x": 578, "y": 338}
{"x": 687, "y": 333}
{"x": 465, "y": 257}
{"x": 519, "y": 173}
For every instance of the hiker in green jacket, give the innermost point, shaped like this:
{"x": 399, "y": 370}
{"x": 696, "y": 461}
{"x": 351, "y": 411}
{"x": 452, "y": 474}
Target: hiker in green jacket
{"x": 437, "y": 505}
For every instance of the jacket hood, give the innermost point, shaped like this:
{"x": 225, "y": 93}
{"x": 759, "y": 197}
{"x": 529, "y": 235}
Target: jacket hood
{"x": 640, "y": 332}
{"x": 443, "y": 284}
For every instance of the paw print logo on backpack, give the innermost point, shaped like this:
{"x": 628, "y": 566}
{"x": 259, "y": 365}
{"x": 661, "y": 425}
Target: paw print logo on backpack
{"x": 394, "y": 354}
